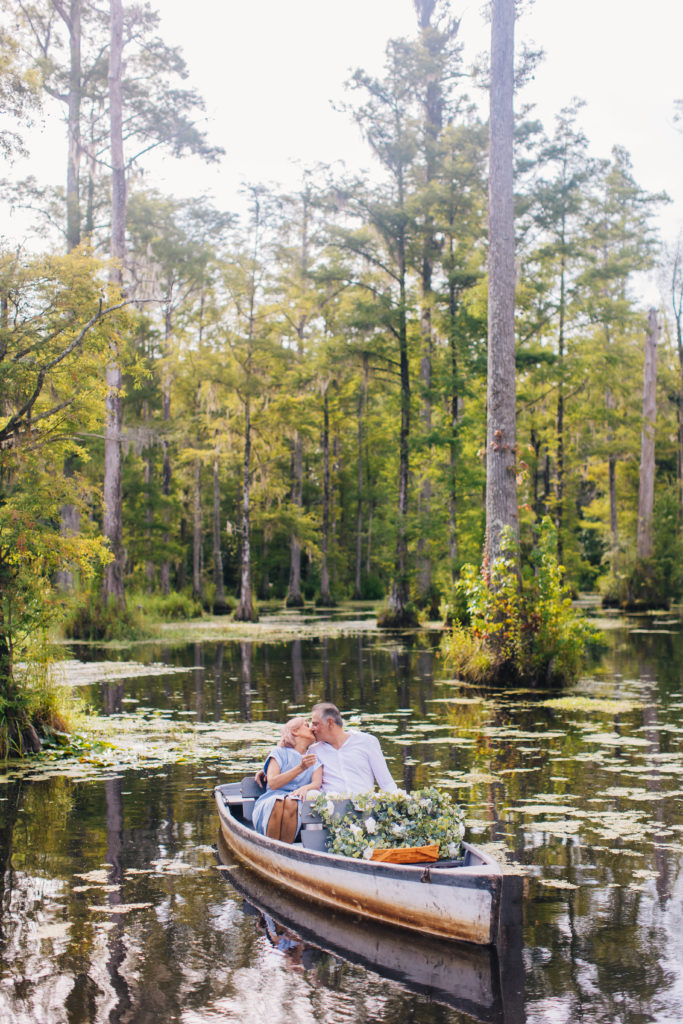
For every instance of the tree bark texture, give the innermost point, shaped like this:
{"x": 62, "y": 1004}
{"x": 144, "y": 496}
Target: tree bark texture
{"x": 294, "y": 598}
{"x": 646, "y": 491}
{"x": 612, "y": 475}
{"x": 113, "y": 519}
{"x": 219, "y": 605}
{"x": 197, "y": 531}
{"x": 325, "y": 597}
{"x": 362, "y": 403}
{"x": 165, "y": 572}
{"x": 246, "y": 611}
{"x": 501, "y": 479}
{"x": 400, "y": 589}
{"x": 73, "y": 200}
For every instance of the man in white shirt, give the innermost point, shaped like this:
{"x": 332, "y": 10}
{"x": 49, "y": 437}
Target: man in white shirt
{"x": 352, "y": 761}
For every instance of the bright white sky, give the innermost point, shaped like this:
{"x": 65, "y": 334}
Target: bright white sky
{"x": 270, "y": 69}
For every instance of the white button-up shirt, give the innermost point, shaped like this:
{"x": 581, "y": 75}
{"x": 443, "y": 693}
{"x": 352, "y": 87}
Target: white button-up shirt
{"x": 355, "y": 767}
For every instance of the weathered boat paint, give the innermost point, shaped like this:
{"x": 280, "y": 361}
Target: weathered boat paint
{"x": 460, "y": 903}
{"x": 464, "y": 976}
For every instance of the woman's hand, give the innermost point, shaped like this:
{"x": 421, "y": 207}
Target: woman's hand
{"x": 299, "y": 794}
{"x": 307, "y": 761}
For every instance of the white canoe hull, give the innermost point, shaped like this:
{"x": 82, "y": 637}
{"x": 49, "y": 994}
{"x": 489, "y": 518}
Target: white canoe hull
{"x": 460, "y": 903}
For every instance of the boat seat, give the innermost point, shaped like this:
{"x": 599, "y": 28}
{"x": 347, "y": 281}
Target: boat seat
{"x": 250, "y": 790}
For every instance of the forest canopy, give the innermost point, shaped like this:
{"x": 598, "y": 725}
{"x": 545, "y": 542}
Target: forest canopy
{"x": 290, "y": 404}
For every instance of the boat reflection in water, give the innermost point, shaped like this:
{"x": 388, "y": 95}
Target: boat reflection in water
{"x": 486, "y": 982}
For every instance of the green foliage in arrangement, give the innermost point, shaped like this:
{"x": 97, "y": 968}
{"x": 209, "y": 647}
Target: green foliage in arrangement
{"x": 518, "y": 628}
{"x": 383, "y": 821}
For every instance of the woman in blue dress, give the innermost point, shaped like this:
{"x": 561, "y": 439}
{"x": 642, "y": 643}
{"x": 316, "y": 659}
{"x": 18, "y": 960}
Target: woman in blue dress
{"x": 290, "y": 774}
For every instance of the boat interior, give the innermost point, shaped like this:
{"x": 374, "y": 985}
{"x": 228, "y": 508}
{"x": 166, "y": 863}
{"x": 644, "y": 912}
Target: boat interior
{"x": 239, "y": 799}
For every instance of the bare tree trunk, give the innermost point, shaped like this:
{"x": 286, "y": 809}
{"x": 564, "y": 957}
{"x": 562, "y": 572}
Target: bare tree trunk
{"x": 246, "y": 611}
{"x": 219, "y": 605}
{"x": 73, "y": 202}
{"x": 646, "y": 490}
{"x": 294, "y": 598}
{"x": 400, "y": 589}
{"x": 612, "y": 476}
{"x": 362, "y": 403}
{"x": 113, "y": 519}
{"x": 325, "y": 597}
{"x": 559, "y": 425}
{"x": 433, "y": 123}
{"x": 149, "y": 517}
{"x": 165, "y": 573}
{"x": 453, "y": 441}
{"x": 197, "y": 532}
{"x": 501, "y": 480}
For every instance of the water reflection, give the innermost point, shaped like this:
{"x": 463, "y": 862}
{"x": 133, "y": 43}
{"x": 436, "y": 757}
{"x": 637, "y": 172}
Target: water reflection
{"x": 112, "y": 907}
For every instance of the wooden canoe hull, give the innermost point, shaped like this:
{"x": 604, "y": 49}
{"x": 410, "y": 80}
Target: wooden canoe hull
{"x": 459, "y": 975}
{"x": 461, "y": 903}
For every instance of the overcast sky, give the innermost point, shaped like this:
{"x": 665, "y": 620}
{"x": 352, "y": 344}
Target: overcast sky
{"x": 271, "y": 69}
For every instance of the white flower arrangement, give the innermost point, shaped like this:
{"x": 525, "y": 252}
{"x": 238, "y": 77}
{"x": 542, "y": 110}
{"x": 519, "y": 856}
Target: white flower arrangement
{"x": 382, "y": 821}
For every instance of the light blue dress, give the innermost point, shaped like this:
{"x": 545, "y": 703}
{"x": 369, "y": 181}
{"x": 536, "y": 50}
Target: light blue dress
{"x": 287, "y": 758}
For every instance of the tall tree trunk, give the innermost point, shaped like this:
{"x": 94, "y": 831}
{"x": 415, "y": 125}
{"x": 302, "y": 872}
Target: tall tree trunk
{"x": 400, "y": 589}
{"x": 113, "y": 514}
{"x": 501, "y": 480}
{"x": 73, "y": 200}
{"x": 325, "y": 597}
{"x": 646, "y": 490}
{"x": 294, "y": 598}
{"x": 149, "y": 515}
{"x": 559, "y": 424}
{"x": 219, "y": 605}
{"x": 453, "y": 440}
{"x": 246, "y": 611}
{"x": 612, "y": 476}
{"x": 165, "y": 572}
{"x": 362, "y": 403}
{"x": 433, "y": 123}
{"x": 197, "y": 532}
{"x": 70, "y": 518}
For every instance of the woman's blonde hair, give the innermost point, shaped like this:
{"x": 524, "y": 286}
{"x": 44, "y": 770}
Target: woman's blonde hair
{"x": 287, "y": 738}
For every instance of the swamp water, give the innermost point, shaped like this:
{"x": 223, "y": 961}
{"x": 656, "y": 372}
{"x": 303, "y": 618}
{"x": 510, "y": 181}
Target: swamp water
{"x": 115, "y": 905}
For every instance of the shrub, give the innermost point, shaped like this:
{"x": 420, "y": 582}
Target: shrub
{"x": 168, "y": 607}
{"x": 93, "y": 619}
{"x": 34, "y": 709}
{"x": 518, "y": 628}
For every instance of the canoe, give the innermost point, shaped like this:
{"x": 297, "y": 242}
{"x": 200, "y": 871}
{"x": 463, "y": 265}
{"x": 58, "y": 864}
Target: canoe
{"x": 468, "y": 978}
{"x": 467, "y": 900}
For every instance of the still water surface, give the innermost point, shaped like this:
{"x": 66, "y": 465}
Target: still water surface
{"x": 115, "y": 905}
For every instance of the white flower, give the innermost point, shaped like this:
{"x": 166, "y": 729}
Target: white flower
{"x": 329, "y": 806}
{"x": 371, "y": 825}
{"x": 398, "y": 830}
{"x": 452, "y": 850}
{"x": 367, "y": 853}
{"x": 356, "y": 830}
